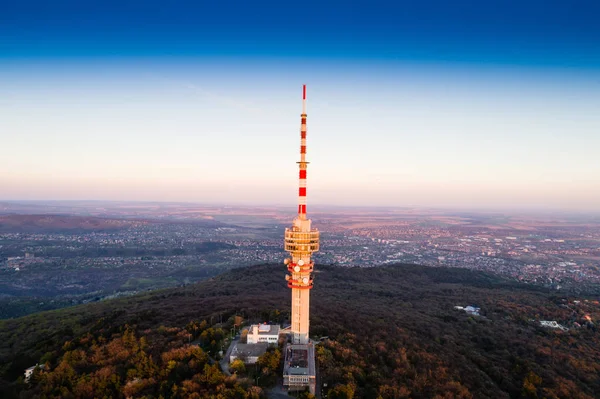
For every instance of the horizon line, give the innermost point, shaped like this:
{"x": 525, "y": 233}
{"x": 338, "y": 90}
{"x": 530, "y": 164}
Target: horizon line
{"x": 448, "y": 208}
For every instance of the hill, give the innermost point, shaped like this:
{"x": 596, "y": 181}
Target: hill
{"x": 59, "y": 223}
{"x": 53, "y": 223}
{"x": 393, "y": 333}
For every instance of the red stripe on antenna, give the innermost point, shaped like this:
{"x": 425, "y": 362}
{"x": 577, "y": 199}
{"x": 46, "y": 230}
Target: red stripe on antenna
{"x": 302, "y": 191}
{"x": 304, "y": 92}
{"x": 303, "y": 173}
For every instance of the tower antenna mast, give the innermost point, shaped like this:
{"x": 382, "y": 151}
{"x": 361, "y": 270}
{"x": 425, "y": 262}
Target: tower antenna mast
{"x": 302, "y": 163}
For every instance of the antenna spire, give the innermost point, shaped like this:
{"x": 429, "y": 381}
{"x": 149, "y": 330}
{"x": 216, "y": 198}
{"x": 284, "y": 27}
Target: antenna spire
{"x": 302, "y": 164}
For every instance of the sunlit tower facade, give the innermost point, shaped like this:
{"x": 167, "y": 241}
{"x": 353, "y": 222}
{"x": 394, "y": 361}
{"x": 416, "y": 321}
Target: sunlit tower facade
{"x": 301, "y": 241}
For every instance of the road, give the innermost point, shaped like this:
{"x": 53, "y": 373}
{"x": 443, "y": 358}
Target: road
{"x": 224, "y": 363}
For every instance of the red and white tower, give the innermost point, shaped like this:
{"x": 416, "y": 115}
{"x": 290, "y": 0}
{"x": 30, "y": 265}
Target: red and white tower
{"x": 301, "y": 240}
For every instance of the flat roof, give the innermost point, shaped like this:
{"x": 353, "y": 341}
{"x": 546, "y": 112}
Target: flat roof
{"x": 266, "y": 329}
{"x": 250, "y": 349}
{"x": 299, "y": 360}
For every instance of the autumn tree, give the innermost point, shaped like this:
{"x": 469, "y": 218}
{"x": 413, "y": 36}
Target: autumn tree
{"x": 238, "y": 366}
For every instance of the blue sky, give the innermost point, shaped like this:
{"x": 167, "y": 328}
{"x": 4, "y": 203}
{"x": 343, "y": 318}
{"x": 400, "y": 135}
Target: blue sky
{"x": 457, "y": 104}
{"x": 516, "y": 32}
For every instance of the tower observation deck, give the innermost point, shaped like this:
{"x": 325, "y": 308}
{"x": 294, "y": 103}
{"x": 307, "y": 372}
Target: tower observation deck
{"x": 301, "y": 241}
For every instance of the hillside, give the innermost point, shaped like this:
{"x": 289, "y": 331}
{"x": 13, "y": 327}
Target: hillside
{"x": 393, "y": 333}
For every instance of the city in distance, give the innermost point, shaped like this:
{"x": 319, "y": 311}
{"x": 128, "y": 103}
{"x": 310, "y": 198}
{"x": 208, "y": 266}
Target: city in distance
{"x": 61, "y": 253}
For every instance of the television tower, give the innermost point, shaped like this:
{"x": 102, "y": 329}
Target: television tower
{"x": 301, "y": 240}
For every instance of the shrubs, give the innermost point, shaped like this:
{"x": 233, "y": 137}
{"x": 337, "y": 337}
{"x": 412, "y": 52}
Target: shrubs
{"x": 123, "y": 366}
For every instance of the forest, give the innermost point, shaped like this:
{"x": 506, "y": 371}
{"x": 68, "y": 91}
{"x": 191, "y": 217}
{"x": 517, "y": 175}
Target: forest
{"x": 384, "y": 332}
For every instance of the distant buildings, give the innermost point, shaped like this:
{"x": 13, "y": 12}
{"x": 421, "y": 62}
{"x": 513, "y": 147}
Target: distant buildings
{"x": 29, "y": 371}
{"x": 471, "y": 310}
{"x": 552, "y": 324}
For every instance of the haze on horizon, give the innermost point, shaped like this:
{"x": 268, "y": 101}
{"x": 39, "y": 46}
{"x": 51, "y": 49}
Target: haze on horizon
{"x": 437, "y": 104}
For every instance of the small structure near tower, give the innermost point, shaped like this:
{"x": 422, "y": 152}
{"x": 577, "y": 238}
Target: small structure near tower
{"x": 260, "y": 333}
{"x": 301, "y": 241}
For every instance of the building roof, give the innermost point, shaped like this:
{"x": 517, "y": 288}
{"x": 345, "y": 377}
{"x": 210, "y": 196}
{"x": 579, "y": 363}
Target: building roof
{"x": 250, "y": 349}
{"x": 266, "y": 329}
{"x": 299, "y": 359}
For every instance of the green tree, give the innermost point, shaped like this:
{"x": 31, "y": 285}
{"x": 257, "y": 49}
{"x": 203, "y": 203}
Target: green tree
{"x": 238, "y": 366}
{"x": 269, "y": 361}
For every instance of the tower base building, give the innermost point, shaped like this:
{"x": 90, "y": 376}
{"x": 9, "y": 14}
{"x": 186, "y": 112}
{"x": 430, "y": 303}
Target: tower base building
{"x": 299, "y": 371}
